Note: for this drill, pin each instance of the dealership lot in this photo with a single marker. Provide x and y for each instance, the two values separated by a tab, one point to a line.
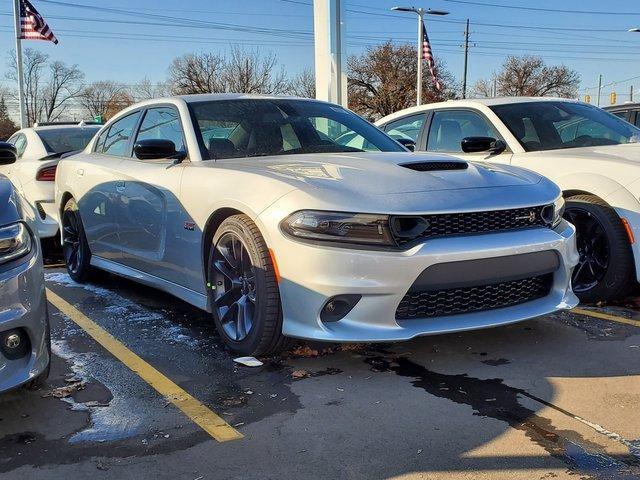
550	398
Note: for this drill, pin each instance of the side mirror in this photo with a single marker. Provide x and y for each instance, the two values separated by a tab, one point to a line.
482	144
156	149
8	154
408	143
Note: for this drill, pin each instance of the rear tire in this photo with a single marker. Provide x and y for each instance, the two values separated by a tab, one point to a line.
604	248
244	289
75	249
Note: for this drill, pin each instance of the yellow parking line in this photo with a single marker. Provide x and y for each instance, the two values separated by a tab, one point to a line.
606	316
191	407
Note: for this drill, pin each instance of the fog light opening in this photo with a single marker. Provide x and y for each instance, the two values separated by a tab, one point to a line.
338	307
15	344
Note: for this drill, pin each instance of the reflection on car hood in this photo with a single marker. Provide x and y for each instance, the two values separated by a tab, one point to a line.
9	208
627	153
381	173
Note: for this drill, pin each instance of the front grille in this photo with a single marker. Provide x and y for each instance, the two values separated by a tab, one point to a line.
450	224
435	166
439	303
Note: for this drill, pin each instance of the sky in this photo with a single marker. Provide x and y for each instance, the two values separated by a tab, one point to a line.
137	39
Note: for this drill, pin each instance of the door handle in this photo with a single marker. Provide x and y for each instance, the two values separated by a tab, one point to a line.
120	186
80	172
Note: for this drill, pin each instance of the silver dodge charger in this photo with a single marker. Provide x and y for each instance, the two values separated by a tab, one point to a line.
292	218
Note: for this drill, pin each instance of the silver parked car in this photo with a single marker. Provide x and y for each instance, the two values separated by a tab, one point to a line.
262	211
25	343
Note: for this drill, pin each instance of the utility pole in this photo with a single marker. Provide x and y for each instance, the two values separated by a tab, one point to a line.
631	94
599	89
466	60
19	67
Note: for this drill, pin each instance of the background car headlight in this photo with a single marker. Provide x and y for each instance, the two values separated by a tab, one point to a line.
15	242
558	211
355	228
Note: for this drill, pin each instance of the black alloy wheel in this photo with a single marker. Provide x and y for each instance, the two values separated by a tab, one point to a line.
75	249
593	248
235	286
606	268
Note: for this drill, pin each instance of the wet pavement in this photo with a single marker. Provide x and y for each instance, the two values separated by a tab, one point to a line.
556	397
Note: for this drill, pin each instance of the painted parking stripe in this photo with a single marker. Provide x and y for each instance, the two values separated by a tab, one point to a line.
191	407
606	316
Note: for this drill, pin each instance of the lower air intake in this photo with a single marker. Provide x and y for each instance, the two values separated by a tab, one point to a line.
439	303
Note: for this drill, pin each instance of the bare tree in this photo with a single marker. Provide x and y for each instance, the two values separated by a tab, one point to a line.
483	88
383	81
7	126
530	76
303	84
146	90
63	86
49	88
105	98
197	73
253	72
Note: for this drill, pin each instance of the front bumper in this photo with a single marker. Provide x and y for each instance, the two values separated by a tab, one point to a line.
23	305
310	275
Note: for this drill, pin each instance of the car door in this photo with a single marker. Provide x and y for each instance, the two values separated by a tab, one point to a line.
97	178
152	218
447	128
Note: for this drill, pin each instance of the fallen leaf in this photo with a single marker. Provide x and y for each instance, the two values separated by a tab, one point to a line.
66	391
300	374
248	361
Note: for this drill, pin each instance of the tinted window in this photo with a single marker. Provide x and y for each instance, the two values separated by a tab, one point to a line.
449	127
162	123
408	127
117	139
253	128
61	140
20	143
637	121
559	125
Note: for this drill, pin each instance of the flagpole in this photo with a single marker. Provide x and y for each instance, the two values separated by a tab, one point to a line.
19	67
420	12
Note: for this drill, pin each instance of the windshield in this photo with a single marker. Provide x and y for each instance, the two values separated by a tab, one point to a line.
62	140
555	125
252	128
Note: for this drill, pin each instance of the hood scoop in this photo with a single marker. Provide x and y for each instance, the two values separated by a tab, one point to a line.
435	166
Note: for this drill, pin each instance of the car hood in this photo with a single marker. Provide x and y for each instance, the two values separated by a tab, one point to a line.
380	173
9	204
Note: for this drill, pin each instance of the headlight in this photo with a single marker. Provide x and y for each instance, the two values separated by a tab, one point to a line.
558	211
15	242
355	228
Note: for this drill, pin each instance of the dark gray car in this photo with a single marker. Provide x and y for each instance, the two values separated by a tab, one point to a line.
25	343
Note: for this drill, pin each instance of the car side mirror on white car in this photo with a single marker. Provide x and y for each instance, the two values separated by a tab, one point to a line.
482	144
156	149
8	153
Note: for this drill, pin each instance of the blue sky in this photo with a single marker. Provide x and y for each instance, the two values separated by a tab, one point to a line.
112	45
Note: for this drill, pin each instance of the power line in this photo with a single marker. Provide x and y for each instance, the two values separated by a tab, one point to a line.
539	9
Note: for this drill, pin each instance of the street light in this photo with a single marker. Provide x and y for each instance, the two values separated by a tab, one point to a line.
420	12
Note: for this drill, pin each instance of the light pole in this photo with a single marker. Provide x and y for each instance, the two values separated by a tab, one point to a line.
420	12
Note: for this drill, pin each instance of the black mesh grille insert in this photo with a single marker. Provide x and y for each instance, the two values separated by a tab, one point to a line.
450	224
438	303
434	166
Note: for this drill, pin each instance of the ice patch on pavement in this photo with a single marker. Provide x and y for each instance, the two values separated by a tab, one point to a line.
124	310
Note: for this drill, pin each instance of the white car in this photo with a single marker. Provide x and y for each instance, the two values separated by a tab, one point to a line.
39	150
248	207
592	155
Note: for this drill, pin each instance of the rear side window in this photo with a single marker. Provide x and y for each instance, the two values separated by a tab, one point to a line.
407	128
116	140
637	121
20	142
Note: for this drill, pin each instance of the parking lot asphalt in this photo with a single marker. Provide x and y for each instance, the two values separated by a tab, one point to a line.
141	386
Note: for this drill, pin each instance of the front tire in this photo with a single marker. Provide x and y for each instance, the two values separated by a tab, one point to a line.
606	270
244	289
75	248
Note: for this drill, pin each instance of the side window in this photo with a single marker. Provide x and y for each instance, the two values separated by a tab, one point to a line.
407	127
20	144
118	136
449	127
162	123
637	120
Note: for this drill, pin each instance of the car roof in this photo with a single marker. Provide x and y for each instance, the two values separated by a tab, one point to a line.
208	97
623	106
60	127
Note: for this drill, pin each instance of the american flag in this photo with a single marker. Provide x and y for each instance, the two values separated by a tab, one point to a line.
427	54
32	25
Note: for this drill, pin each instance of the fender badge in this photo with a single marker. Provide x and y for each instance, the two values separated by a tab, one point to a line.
191	226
